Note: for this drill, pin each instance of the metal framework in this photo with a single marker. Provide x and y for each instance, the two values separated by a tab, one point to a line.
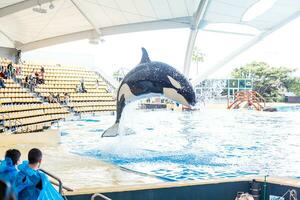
93	24
193	35
183	22
207	12
246	46
11	9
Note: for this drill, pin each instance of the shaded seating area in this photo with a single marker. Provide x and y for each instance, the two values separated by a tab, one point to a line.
40	95
25	118
21	111
14	93
64	85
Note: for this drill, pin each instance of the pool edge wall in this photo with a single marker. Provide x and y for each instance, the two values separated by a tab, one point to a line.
175	190
48	137
218	189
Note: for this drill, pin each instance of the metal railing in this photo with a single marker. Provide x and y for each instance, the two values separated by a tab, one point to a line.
19	125
108	80
12	123
99	195
3	118
59	182
292	195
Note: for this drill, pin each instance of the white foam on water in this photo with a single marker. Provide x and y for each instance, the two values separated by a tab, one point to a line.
201	144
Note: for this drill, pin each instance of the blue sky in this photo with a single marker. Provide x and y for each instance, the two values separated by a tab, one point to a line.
280	49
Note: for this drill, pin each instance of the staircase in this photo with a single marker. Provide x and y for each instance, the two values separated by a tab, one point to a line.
34	94
250	99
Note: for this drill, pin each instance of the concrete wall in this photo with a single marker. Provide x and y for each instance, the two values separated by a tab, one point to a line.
225	189
292	99
44	137
9	53
218	191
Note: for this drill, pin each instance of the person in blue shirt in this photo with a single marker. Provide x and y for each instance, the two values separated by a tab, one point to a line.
32	184
8	167
2	84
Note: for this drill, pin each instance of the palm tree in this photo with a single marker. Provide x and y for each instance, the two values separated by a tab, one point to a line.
197	57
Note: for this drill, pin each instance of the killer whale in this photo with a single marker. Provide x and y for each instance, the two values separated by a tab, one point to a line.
151	78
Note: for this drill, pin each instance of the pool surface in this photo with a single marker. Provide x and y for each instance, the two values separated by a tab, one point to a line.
192	145
295	108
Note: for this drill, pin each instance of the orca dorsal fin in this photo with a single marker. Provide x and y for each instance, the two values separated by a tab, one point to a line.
145	57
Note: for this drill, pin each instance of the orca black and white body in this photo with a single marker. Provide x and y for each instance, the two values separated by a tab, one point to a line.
151	78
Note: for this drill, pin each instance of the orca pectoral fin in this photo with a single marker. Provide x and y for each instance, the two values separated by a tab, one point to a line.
112	131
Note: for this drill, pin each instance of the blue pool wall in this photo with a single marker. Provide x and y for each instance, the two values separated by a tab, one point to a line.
226	190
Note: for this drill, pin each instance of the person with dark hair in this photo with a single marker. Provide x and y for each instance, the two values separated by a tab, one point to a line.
6	192
10	70
82	87
8	167
18	74
31	183
32	81
6	73
2	75
41	76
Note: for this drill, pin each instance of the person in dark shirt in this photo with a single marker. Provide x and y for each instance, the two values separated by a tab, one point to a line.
5	73
2	72
6	192
10	70
2	84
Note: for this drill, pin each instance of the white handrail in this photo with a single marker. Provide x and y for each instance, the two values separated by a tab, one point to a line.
99	195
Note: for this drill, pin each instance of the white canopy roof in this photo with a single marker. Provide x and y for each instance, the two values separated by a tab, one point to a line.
77	19
22	28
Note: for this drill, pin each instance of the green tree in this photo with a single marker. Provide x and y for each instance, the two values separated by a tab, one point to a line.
197	57
270	82
294	86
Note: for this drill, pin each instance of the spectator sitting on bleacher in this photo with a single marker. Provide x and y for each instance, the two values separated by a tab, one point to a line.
31	183
2	84
10	70
8	167
82	87
18	74
2	73
51	98
77	88
32	81
56	97
65	98
5	73
36	74
41	77
97	84
26	81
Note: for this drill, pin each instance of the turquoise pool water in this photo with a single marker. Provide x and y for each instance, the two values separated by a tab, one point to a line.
293	108
193	145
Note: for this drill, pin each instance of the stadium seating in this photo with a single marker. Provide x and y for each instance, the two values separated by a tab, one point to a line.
65	79
23	111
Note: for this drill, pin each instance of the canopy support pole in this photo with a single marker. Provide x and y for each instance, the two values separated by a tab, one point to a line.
98	32
198	16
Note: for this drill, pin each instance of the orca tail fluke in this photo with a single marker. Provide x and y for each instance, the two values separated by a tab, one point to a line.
113	131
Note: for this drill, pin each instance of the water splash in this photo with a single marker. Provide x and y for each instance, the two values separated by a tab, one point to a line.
196	145
126	120
211	91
